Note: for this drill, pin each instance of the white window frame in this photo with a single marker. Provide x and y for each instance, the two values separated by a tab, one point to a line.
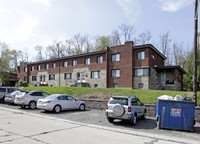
54	65
115	57
141	55
100	59
95	74
65	64
66	76
115	73
87	61
74	63
46	66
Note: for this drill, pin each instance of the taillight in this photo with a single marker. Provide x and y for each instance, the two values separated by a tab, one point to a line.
48	101
107	107
129	109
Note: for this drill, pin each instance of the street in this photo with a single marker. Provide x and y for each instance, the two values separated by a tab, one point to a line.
91	126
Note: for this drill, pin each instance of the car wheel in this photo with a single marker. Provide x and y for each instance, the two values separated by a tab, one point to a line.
3	100
57	109
134	120
32	105
144	115
111	120
82	107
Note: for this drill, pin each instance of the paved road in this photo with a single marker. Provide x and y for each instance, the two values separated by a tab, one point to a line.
97	118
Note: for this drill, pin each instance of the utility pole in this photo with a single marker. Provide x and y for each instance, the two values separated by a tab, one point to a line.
195	52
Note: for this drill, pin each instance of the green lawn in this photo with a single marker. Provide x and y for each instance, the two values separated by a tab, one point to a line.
146	96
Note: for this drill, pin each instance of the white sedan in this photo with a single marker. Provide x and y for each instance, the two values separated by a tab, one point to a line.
59	102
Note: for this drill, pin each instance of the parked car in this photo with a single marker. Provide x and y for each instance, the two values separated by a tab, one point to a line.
125	108
59	102
29	98
4	91
10	97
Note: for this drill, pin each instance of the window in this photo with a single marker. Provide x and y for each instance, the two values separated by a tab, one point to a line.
141	55
142	72
95	74
114	85
71	98
115	73
36	94
2	89
34	78
67	75
52	77
140	85
74	63
87	61
46	66
25	79
25	69
54	66
152	56
45	94
32	68
62	98
18	69
134	102
65	64
38	67
10	90
115	57
100	59
95	85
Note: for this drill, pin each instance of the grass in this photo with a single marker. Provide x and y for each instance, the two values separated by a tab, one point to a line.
146	96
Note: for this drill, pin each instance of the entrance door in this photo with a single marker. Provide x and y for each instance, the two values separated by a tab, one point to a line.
80	77
163	78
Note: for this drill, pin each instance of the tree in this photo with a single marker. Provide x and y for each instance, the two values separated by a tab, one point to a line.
127	31
102	42
145	37
165	45
39	50
6	57
188	77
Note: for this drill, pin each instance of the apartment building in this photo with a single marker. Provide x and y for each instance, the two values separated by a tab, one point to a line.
123	66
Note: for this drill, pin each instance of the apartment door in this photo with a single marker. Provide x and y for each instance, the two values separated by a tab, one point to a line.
80	77
163	78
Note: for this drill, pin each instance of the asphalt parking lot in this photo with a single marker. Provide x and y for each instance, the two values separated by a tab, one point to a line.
97	117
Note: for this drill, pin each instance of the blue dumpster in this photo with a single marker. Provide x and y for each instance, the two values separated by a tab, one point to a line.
171	114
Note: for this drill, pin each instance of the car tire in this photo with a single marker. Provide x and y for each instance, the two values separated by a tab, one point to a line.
3	99
134	120
82	107
118	110
32	105
57	109
111	120
144	115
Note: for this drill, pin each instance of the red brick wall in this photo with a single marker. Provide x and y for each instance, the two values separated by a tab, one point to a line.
22	74
125	65
148	61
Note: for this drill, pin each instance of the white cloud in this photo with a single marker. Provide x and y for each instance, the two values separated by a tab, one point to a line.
24	30
130	8
174	5
45	2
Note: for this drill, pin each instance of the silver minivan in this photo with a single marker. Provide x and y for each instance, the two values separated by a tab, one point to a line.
125	108
4	91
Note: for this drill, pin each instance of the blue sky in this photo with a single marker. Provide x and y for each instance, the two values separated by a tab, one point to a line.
27	23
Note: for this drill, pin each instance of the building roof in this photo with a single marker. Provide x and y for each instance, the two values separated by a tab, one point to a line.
69	57
152	47
171	67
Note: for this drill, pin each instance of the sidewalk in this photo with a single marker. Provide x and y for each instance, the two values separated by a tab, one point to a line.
26	128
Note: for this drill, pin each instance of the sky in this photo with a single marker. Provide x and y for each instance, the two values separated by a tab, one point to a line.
27	23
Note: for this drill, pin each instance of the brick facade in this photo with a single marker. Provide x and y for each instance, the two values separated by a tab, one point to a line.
116	69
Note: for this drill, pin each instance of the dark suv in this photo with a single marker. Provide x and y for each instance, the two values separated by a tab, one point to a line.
4	91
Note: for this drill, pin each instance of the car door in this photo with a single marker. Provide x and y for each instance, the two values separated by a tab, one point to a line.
63	102
72	104
140	108
134	105
45	94
36	95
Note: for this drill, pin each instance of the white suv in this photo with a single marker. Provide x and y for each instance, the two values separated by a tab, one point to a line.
125	108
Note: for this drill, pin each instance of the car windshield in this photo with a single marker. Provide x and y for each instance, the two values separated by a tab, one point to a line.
122	101
14	93
51	97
